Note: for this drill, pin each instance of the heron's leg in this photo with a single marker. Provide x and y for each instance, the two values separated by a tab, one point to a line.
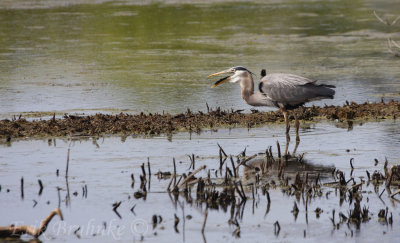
297	127
285	115
287	144
297	144
297	133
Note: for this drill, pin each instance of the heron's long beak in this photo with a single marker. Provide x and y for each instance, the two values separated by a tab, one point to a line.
223	72
222	80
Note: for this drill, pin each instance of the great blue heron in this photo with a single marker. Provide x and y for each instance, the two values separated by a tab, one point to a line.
284	91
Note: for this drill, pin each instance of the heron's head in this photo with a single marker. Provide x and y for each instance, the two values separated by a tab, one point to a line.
236	73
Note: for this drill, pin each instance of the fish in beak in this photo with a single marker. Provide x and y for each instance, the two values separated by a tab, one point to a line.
222	80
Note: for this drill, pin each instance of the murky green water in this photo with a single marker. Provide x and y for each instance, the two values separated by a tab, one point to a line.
76	56
152	57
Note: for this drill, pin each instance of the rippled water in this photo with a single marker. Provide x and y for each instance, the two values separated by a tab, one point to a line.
105	165
124	56
79	56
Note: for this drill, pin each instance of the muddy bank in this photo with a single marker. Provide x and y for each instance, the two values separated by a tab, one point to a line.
153	124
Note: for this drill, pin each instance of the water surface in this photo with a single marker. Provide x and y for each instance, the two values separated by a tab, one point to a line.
104	165
85	57
154	57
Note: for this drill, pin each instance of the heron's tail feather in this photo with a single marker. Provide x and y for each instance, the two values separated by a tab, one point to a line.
319	91
326	91
328	85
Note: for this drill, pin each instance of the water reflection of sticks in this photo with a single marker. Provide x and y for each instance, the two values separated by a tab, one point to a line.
230	189
207	189
292	174
68	197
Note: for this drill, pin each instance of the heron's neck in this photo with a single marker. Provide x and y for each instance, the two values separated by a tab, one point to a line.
247	86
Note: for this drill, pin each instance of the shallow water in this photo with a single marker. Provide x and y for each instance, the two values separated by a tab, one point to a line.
154	57
79	57
105	165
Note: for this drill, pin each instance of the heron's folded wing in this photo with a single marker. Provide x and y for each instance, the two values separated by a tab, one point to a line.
288	89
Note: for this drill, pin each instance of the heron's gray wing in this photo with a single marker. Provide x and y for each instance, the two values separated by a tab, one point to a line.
286	79
291	90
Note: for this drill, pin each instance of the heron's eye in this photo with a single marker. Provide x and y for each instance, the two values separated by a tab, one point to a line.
233	70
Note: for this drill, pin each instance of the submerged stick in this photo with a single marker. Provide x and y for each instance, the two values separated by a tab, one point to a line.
279	149
40	187
115	207
143	171
59	196
176	188
241	188
170	182
193	162
205	221
277	228
233	167
176	222
244	162
191	176
17	231
148	166
395	193
133	180
380	195
220	160
240	193
268	197
22	187
173	160
66	169
222	150
389	177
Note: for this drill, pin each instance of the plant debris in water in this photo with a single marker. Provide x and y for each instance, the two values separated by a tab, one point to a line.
153	124
295	178
233	181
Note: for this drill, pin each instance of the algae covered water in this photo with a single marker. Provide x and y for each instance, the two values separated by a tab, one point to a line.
60	57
